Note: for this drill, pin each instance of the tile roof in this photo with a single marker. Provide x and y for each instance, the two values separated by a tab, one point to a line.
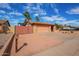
40	23
3	21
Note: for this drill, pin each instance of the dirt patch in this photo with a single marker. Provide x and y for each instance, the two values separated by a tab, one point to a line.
35	43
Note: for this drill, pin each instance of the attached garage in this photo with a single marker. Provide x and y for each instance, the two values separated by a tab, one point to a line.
41	27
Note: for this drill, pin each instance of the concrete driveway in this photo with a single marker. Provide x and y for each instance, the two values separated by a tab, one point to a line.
29	44
70	47
46	44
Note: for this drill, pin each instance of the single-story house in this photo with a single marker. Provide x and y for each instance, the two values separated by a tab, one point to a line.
42	27
34	27
4	25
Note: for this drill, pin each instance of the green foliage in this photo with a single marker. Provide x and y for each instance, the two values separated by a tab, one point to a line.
28	18
58	26
27	15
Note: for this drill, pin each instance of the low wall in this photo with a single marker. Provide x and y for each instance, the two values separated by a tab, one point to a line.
23	29
7	47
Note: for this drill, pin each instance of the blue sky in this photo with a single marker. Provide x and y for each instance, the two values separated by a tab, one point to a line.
61	13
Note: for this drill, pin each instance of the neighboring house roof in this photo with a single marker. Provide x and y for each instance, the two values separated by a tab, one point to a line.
40	23
4	21
68	28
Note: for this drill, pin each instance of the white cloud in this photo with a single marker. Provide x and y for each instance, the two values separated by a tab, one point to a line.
27	7
73	11
14	21
61	20
7	17
35	9
15	13
70	22
42	12
54	18
55	8
58	18
2	11
47	18
36	14
5	5
39	10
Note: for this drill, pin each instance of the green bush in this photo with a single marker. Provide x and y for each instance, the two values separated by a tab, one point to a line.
58	26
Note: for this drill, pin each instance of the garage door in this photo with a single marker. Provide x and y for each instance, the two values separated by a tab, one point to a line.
43	29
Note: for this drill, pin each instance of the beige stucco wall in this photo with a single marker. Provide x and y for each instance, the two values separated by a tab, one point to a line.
12	29
1	30
0	27
41	28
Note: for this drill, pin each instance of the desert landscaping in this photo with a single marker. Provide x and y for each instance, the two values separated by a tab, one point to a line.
48	44
56	43
39	30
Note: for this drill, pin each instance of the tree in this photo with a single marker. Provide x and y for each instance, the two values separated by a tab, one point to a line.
27	15
37	18
58	26
28	18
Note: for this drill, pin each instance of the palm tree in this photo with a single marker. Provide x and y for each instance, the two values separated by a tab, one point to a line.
28	18
37	19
